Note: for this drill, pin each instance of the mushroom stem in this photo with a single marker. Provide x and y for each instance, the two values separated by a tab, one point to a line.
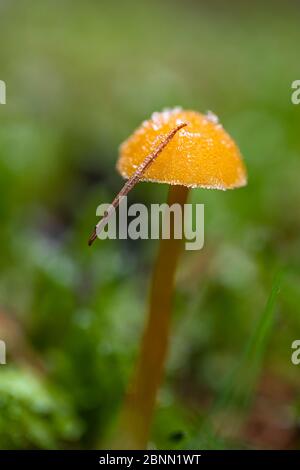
136	416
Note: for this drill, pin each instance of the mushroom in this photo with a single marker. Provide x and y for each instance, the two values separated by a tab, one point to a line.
196	152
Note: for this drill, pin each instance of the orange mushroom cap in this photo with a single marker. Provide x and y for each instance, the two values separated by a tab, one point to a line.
201	154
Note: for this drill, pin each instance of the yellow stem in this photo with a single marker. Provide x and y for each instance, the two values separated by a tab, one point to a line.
137	413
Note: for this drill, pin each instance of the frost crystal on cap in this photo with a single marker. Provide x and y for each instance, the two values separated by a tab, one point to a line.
212	117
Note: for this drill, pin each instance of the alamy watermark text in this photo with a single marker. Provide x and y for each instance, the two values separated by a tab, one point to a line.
296	93
2	92
2	352
159	221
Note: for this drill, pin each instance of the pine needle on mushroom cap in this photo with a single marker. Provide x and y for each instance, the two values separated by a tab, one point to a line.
201	155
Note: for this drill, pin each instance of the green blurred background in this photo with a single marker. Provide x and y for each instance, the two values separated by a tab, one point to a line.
80	77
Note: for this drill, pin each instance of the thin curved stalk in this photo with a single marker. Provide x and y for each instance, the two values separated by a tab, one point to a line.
133	180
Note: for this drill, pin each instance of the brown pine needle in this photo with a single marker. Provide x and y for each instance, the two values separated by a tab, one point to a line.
132	181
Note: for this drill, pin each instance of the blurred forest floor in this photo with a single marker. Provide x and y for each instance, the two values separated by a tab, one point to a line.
80	77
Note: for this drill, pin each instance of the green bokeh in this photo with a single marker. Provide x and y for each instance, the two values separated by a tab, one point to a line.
80	77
